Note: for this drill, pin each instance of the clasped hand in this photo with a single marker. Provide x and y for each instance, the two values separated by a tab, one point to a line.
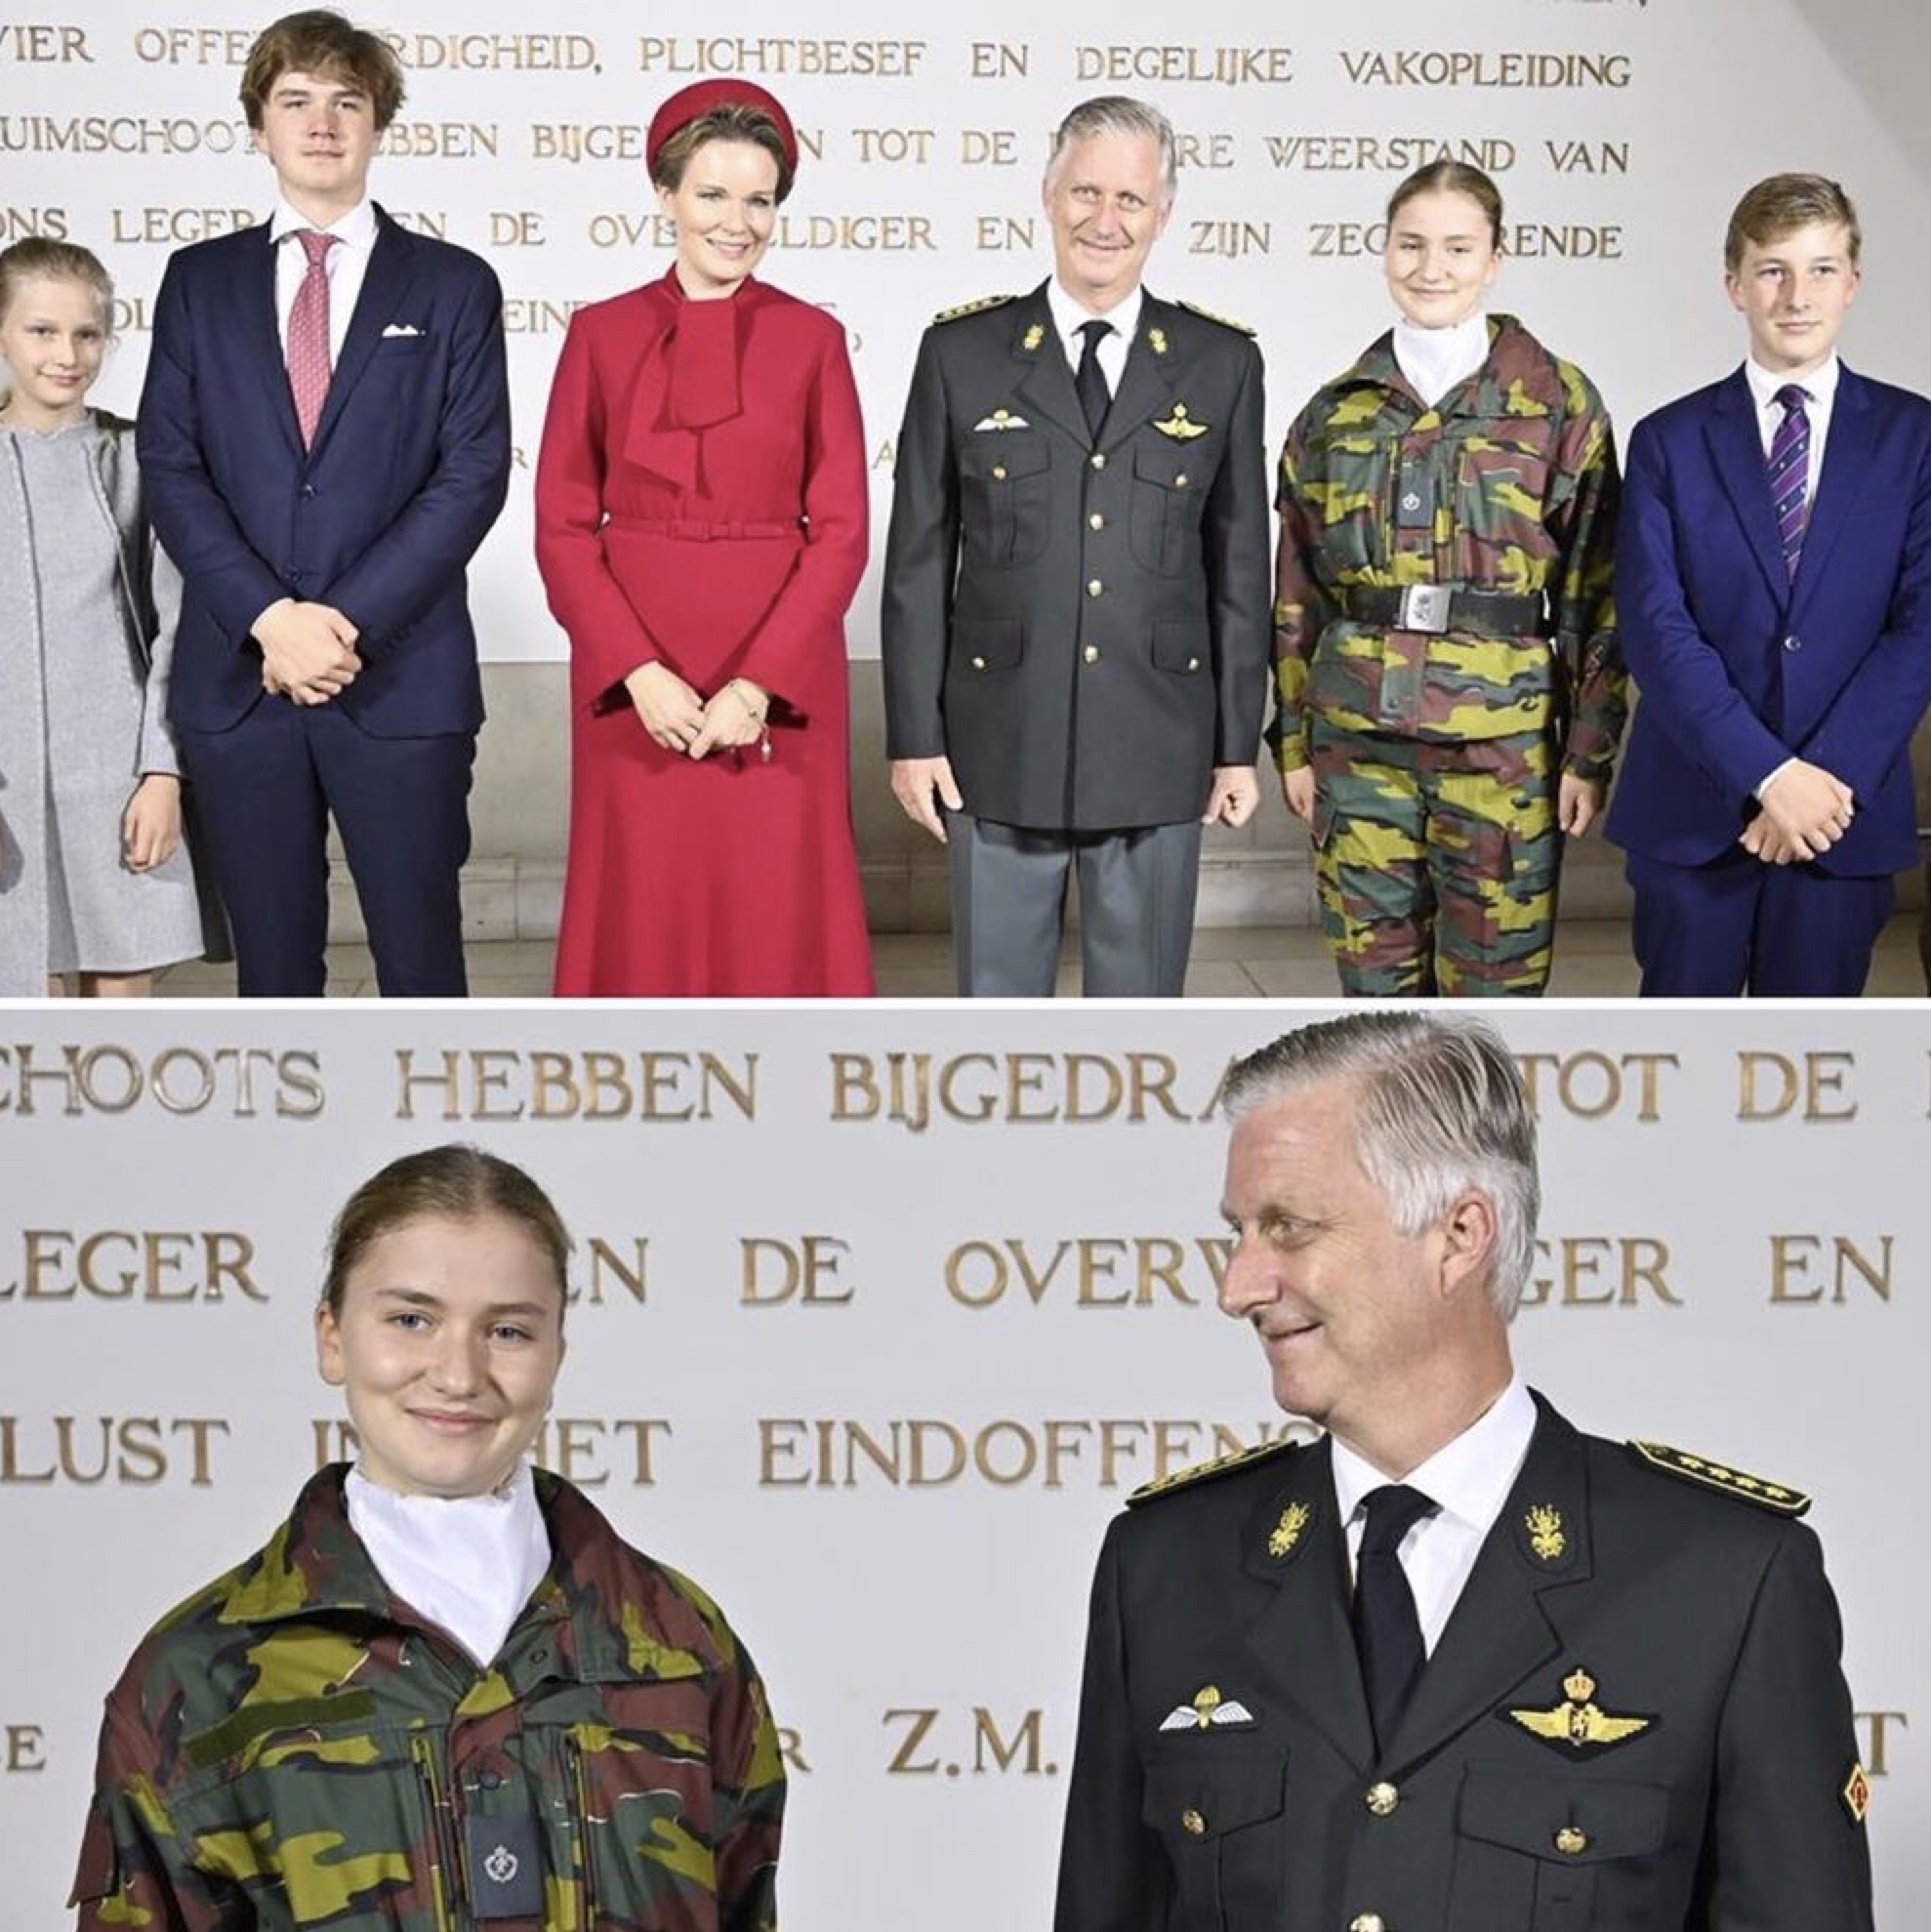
308	651
682	722
1806	810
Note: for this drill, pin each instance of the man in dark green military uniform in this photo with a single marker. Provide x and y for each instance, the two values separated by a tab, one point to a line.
1457	1667
1076	620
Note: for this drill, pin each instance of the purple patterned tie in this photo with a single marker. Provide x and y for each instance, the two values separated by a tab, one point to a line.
308	333
1789	473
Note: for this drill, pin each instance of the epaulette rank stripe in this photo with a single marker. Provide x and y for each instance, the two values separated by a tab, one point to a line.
1711	1474
1207	316
1206	1472
977	308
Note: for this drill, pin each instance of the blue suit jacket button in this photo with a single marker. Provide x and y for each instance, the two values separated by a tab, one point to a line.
1793	643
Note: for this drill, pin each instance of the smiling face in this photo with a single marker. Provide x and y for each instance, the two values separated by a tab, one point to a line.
447	1347
1107	204
52	335
1794	291
1378	1336
319	132
726	206
1440	257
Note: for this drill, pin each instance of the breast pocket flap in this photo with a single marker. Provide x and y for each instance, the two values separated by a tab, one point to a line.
1575	1820
1215	1793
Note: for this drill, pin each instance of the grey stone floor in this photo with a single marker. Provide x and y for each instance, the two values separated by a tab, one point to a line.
1592	962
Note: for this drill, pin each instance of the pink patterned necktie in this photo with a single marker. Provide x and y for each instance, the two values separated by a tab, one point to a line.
1789	473
308	333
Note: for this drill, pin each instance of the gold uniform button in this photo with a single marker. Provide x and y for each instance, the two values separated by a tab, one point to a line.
1193	1824
1193	664
1181	481
978	664
1098	459
1091	653
1095	521
1369	1921
999	473
1094	588
1571	1843
1381	1799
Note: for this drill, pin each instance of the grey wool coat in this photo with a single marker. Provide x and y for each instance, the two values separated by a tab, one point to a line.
83	704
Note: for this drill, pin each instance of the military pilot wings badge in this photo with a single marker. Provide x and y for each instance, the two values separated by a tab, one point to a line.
1578	1726
1000	418
1210	1712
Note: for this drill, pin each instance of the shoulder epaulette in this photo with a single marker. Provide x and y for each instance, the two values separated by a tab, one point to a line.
1206	1472
1710	1474
1207	316
977	308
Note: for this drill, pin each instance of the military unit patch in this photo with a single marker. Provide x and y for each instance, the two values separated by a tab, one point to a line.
1204	1472
977	308
1578	1725
1856	1795
1716	1475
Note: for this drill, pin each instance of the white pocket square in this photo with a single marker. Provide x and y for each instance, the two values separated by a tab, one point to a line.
401	329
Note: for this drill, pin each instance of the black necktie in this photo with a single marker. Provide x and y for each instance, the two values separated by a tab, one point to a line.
1089	379
1387	1633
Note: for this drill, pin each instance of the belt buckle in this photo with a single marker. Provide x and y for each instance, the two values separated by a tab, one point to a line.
1426	607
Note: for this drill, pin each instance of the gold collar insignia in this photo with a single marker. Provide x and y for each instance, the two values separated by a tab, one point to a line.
1546	1536
1157	341
1032	337
1287	1532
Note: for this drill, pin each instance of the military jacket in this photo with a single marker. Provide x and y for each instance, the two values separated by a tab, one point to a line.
293	1748
1509	483
1634	1720
1079	624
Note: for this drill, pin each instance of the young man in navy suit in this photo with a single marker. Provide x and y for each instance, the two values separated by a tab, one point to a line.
324	440
1772	589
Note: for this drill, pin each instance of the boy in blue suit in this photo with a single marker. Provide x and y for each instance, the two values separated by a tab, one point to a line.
1772	588
324	440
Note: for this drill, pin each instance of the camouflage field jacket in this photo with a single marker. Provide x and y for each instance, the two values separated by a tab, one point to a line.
1509	485
291	1748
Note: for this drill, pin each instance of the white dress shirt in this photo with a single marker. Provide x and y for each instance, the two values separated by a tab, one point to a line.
467	1563
346	264
1068	317
1469	1479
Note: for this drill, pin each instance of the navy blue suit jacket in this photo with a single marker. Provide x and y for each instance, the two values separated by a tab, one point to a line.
380	519
1739	667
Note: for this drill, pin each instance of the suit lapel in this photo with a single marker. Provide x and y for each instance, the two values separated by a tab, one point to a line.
1047	383
261	335
1147	383
392	269
1735	445
1499	1631
1849	451
1301	1637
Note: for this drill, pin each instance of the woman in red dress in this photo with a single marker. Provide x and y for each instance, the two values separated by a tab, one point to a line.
701	512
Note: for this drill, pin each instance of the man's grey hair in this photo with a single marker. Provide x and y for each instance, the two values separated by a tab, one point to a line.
1115	113
1440	1108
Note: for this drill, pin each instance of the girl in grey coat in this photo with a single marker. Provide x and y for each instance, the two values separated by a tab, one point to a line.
95	881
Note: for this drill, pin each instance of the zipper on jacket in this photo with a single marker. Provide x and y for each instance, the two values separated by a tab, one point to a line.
586	1863
442	1867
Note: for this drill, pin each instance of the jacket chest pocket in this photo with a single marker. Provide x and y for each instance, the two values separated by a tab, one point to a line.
1532	1851
1006	497
1502	489
1169	498
1220	1818
638	1786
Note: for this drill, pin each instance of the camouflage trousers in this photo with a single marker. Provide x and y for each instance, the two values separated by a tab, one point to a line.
1436	862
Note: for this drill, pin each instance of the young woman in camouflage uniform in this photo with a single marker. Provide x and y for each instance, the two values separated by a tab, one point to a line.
1451	695
445	1695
